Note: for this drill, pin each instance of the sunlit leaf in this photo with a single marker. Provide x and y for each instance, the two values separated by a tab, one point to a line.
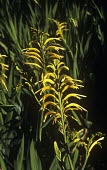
74	21
57	151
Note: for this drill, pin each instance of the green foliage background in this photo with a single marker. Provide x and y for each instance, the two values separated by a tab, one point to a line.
47	47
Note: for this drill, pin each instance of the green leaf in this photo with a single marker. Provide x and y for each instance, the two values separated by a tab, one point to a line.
19	161
86	48
76	117
1	120
36	1
76	153
5	106
68	162
55	8
45	123
26	91
57	151
4	46
55	165
34	158
2	163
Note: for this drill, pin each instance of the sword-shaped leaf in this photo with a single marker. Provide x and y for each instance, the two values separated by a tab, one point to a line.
2	163
20	157
55	165
57	151
34	158
75	157
75	116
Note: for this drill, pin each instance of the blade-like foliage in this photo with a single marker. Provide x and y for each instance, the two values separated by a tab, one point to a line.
34	158
46	51
20	157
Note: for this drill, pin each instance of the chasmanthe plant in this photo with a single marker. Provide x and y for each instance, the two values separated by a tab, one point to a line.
59	100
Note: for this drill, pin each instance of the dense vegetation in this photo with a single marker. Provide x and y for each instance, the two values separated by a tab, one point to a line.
48	52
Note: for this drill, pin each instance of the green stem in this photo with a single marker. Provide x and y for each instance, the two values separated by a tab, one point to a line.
62	118
70	162
85	161
64	128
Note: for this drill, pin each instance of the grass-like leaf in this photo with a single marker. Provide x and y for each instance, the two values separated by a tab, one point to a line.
34	158
20	157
